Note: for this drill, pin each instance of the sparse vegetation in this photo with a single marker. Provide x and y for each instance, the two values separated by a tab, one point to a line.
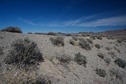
100	55
72	42
64	59
1	51
112	54
51	33
117	49
75	38
107	60
121	63
97	46
80	59
99	37
57	41
90	41
108	48
100	72
84	44
119	41
12	29
24	53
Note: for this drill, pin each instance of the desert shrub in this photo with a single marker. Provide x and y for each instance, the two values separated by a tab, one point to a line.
29	32
57	41
90	41
24	53
121	63
84	44
68	34
99	37
97	46
72	42
112	54
107	60
117	73
93	37
75	38
1	51
119	41
100	72
80	59
51	33
107	48
64	59
100	55
12	29
117	49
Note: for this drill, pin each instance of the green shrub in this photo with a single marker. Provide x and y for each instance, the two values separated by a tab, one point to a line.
97	46
100	55
24	53
100	72
84	44
80	59
90	41
12	29
121	63
64	59
99	37
72	42
57	41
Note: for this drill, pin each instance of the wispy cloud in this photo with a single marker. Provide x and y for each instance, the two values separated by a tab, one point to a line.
27	21
90	21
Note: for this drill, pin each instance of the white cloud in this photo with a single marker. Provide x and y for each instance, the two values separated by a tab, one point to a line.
27	21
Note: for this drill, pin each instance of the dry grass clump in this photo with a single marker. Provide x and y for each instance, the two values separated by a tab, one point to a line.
100	55
57	41
100	72
64	59
97	46
12	29
1	51
24	53
121	63
80	59
84	44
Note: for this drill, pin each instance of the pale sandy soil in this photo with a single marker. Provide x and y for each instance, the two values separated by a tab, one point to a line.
71	73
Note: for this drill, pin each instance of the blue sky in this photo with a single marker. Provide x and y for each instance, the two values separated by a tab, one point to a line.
63	15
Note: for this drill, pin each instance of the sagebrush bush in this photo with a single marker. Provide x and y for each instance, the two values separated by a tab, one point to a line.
64	59
119	41
112	54
51	33
72	42
12	29
108	48
57	41
80	59
1	51
100	55
117	49
97	46
24	52
99	37
93	37
84	44
75	38
121	63
107	60
100	72
90	41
